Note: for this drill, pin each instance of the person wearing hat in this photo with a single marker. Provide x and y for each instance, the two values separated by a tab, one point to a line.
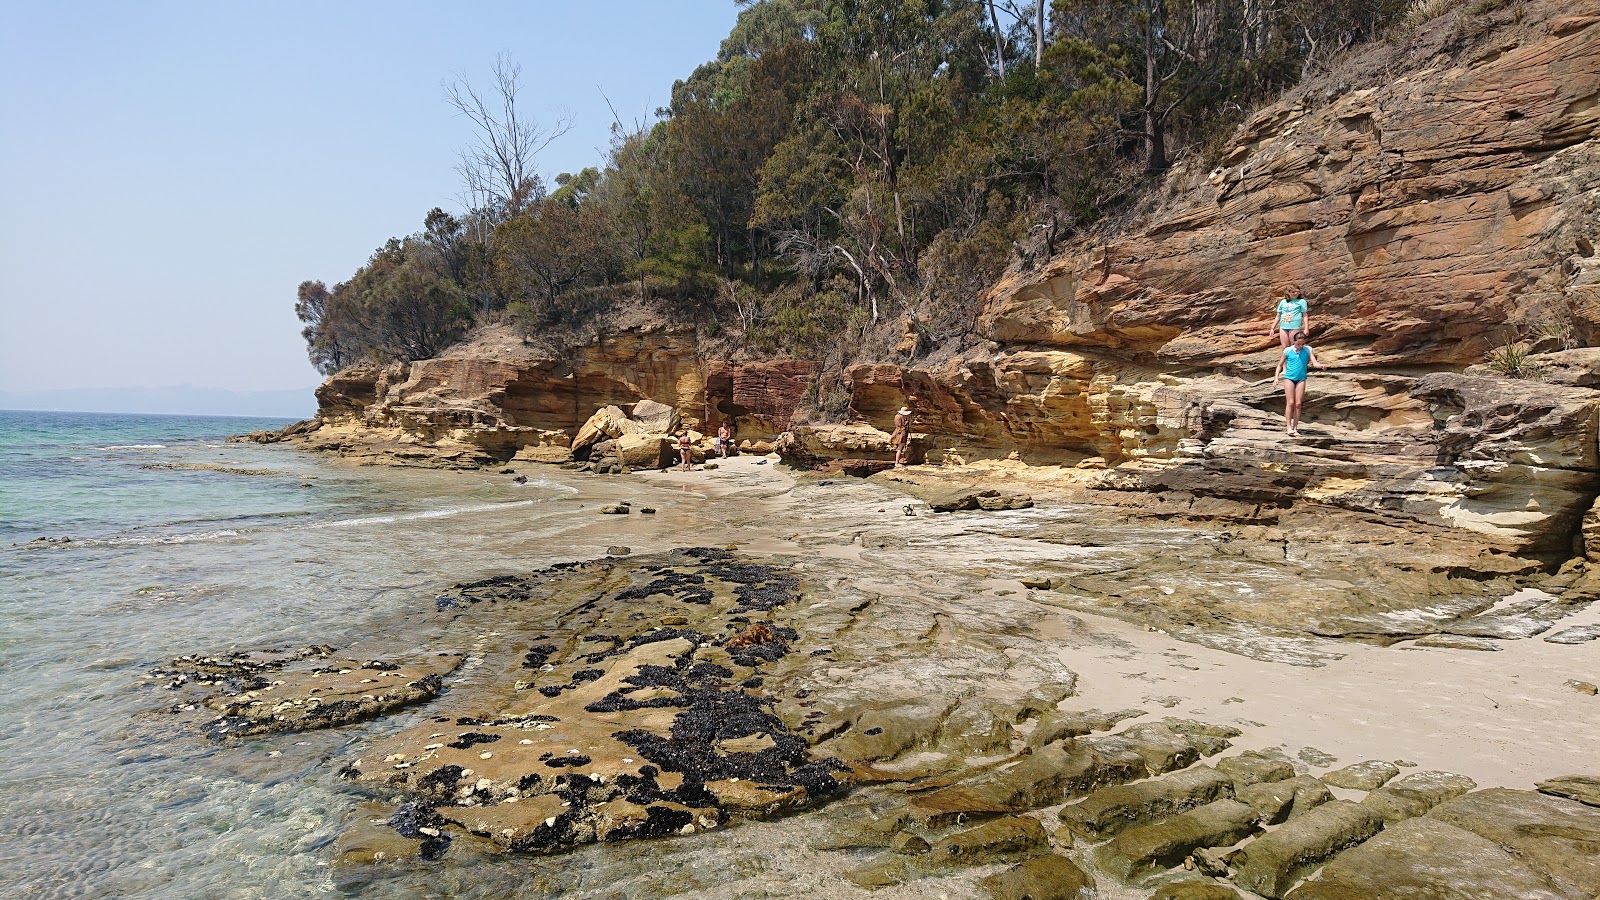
901	437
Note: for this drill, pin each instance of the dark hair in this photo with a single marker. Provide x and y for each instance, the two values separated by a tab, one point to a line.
1300	336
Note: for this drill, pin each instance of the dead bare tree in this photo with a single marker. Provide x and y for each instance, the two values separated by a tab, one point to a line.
498	170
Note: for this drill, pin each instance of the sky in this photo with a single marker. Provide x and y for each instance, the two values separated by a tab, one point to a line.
171	171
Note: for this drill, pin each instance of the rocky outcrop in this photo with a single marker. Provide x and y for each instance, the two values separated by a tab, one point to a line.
1433	218
494	399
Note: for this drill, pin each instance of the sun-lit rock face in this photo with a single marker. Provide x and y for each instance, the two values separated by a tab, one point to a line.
494	398
1427	220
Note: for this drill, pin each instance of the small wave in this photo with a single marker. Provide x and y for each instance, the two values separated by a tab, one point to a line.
429	514
134	447
552	485
146	540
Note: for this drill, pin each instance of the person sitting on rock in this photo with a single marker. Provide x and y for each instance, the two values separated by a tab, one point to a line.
685	450
724	439
1292	316
1293	368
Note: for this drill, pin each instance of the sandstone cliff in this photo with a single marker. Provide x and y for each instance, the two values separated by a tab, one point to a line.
1435	198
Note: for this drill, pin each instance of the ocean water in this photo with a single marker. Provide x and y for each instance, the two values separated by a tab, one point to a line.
182	543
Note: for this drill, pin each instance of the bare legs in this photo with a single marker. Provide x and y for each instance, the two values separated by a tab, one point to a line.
1294	396
1286	337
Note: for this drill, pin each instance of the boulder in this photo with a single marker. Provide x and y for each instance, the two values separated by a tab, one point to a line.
1162	748
997	839
1055	724
1111	810
1254	767
1426	857
1362	776
1557	836
1194	890
655	417
1272	863
1041	878
1163	845
1276	801
1582	788
1415	794
639	450
1044	777
968	498
606	423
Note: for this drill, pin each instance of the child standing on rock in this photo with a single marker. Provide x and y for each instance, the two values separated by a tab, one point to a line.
1293	368
1292	316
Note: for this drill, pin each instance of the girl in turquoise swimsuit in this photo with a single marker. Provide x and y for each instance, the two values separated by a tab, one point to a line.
1293	367
1292	316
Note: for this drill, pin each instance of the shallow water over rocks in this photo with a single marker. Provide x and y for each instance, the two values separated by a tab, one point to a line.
918	658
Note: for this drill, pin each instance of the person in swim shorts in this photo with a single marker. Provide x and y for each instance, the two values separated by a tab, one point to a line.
1293	368
1292	316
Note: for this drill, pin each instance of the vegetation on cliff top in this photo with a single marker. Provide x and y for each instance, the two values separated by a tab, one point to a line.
844	179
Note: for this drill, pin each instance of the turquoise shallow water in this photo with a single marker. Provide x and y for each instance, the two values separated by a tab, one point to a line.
99	797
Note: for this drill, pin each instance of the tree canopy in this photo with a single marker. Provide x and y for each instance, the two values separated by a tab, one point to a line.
841	172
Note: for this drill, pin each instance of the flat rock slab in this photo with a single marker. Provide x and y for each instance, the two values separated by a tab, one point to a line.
1427	858
1041	878
1195	890
1368	775
1164	746
1582	788
1457	642
1272	863
1577	634
967	499
998	839
1112	810
1558	836
314	688
1055	725
1163	845
1254	767
1415	794
1045	777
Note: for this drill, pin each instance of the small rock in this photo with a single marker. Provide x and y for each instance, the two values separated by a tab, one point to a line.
709	466
907	844
615	509
1583	687
1315	757
508	471
1036	583
618	551
1363	776
1042	878
1583	788
674	620
1211	861
647	510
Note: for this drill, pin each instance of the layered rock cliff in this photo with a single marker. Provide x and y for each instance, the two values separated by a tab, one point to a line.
1436	199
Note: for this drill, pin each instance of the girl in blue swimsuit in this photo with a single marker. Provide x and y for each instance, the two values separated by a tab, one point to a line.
1293	367
1292	316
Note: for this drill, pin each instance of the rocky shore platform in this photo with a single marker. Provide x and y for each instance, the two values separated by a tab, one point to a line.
784	683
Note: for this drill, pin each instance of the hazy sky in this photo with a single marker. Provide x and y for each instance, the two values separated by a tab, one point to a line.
169	172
